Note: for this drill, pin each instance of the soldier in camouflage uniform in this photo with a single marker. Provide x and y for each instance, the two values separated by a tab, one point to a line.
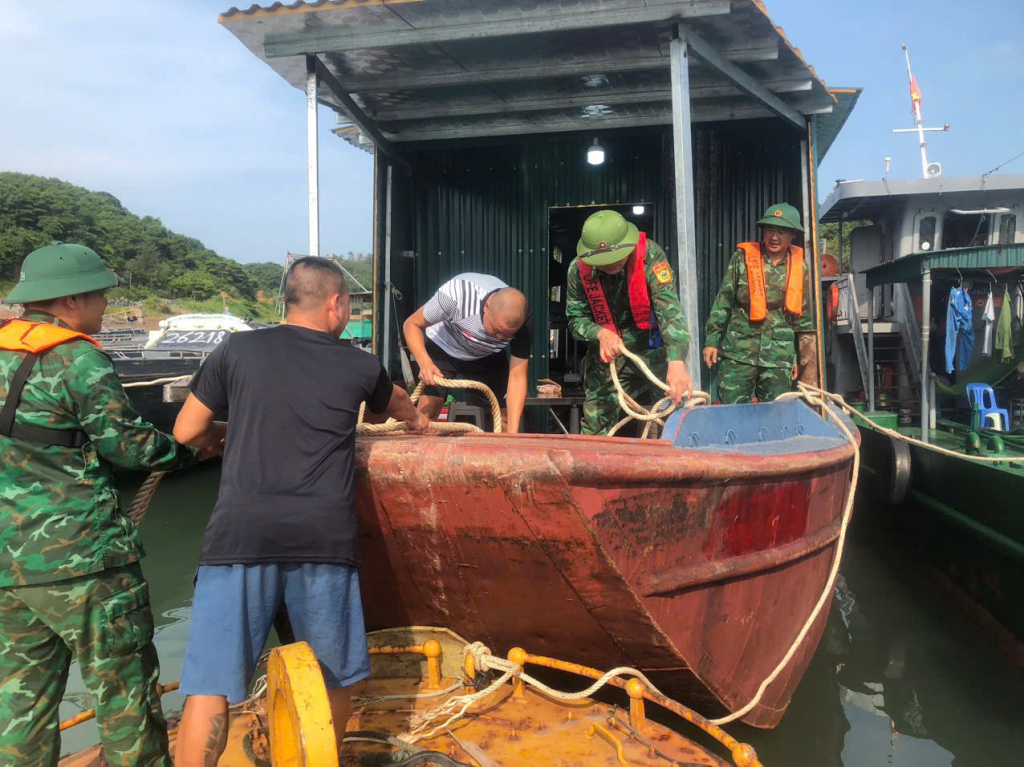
758	358
625	283
71	586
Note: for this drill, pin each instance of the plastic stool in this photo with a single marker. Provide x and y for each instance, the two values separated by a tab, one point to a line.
463	413
985	398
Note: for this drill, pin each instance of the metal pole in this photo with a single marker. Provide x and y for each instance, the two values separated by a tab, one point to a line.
871	348
926	334
819	340
388	300
920	120
931	403
686	243
313	156
805	186
840	256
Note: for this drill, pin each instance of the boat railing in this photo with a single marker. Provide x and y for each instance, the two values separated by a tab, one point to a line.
910	328
848	292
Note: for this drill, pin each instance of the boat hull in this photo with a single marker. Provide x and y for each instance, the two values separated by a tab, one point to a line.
963	517
698	568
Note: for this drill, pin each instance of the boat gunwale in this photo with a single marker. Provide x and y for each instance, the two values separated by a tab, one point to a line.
605	466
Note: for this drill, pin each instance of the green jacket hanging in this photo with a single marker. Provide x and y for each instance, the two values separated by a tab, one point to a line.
1004	329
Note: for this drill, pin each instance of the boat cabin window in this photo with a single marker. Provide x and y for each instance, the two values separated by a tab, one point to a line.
1007	228
925	233
965	231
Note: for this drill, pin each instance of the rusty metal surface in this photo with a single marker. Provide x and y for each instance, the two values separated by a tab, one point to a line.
547	543
508	728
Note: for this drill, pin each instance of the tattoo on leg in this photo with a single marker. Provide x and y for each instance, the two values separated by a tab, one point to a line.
217	740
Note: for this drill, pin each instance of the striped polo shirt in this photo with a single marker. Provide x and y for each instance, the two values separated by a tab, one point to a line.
456	318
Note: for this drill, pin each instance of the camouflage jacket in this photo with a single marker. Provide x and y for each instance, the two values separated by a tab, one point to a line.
59	513
664	304
770	343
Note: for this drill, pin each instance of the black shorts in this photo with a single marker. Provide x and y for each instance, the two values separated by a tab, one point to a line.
491	370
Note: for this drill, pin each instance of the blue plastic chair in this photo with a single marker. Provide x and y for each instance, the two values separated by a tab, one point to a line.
986	399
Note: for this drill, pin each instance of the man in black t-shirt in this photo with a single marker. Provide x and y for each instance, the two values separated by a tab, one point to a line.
284	528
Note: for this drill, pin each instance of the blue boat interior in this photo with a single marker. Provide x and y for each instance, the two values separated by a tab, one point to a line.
772	428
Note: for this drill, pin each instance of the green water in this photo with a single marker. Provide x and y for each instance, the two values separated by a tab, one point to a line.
901	676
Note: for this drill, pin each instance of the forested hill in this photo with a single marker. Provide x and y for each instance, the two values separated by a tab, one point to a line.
34	211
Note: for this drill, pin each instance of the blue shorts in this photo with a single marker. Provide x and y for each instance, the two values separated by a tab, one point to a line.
233	611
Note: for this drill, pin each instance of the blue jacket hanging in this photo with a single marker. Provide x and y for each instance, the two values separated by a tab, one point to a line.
959	328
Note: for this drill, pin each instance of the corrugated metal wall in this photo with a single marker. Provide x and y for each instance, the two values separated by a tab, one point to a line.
484	208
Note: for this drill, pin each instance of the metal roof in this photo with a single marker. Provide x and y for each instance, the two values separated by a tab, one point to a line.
429	69
827	126
912	267
868	199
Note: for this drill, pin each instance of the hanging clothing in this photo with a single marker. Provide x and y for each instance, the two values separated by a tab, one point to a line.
959	330
1018	304
988	316
1004	330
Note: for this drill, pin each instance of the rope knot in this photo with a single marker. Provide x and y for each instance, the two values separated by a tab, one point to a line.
480	653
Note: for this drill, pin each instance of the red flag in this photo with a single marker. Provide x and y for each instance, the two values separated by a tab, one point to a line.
915	94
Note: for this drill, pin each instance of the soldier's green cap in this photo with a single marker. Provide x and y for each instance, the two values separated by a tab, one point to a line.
782	215
607	238
60	269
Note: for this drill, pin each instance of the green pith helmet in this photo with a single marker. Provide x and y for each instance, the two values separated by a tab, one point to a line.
782	215
60	269
607	238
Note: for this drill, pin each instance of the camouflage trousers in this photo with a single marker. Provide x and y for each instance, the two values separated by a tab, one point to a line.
739	382
104	620
601	409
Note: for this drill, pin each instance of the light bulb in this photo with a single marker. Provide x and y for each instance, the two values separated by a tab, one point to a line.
595	154
638	210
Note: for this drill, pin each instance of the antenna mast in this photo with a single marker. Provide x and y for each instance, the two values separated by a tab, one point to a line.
933	170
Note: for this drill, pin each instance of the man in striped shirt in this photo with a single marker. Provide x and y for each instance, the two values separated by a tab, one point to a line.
463	331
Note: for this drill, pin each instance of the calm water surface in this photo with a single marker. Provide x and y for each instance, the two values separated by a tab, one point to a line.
900	678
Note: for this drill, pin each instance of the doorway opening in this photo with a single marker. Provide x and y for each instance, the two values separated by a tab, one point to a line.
566	354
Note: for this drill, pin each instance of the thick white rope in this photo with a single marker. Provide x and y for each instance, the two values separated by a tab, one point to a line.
812	395
841	403
483	660
156	381
466	384
661	409
409	696
819	397
391	426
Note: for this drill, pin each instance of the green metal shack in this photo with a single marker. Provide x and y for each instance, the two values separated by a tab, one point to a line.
482	115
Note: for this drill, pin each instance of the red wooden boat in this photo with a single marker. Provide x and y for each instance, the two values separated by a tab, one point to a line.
696	558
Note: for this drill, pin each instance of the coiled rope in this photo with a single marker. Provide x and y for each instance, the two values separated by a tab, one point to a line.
391	426
483	660
661	409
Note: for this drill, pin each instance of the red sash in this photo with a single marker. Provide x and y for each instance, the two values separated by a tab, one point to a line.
639	300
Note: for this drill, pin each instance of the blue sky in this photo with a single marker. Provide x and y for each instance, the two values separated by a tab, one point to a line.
157	104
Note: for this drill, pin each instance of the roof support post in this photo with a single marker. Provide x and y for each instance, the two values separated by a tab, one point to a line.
745	82
686	244
313	156
388	287
871	349
926	333
358	117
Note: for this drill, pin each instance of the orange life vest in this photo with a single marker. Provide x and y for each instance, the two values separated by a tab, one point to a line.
639	299
832	307
35	339
794	302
